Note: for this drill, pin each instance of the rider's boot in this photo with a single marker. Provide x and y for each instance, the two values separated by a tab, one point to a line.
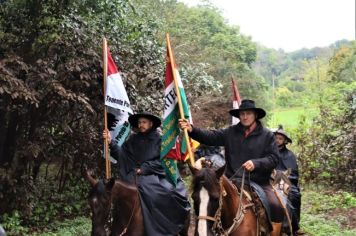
276	229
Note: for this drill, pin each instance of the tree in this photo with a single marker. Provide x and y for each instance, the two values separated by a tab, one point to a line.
343	64
51	100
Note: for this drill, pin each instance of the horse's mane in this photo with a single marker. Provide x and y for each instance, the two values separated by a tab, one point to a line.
101	186
125	184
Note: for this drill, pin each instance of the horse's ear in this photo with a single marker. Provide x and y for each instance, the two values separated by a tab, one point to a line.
288	171
87	175
193	169
273	174
219	172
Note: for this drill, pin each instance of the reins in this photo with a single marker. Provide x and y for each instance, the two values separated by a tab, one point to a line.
217	227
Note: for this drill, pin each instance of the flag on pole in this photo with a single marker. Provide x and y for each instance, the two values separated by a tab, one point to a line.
118	104
171	148
236	100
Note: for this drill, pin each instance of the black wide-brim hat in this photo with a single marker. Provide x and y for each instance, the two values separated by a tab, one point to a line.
133	119
281	131
248	105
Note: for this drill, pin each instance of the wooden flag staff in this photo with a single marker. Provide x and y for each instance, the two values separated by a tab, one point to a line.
106	144
181	113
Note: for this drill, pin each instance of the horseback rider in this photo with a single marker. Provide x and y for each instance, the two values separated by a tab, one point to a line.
247	145
164	207
289	161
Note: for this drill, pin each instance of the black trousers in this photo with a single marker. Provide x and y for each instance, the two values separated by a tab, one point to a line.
277	212
295	197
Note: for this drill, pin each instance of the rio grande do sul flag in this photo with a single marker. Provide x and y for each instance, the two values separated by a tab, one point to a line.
118	103
170	147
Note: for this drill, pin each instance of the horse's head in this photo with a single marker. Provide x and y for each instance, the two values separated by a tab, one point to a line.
100	203
206	195
280	181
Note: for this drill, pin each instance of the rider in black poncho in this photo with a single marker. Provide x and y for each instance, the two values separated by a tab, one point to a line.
289	161
165	207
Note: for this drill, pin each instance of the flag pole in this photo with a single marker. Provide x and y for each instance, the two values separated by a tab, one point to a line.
171	58
235	91
106	144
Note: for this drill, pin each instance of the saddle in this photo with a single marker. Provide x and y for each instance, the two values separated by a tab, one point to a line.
257	196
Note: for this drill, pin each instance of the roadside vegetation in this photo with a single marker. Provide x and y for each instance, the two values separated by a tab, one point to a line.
328	212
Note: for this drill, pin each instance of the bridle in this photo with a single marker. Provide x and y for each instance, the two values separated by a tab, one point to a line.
217	227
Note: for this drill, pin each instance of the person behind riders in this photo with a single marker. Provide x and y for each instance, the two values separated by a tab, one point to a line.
289	161
249	145
211	153
164	207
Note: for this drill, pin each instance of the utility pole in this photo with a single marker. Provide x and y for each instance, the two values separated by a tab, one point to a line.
318	78
274	99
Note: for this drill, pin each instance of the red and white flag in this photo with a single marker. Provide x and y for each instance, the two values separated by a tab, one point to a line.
116	96
118	104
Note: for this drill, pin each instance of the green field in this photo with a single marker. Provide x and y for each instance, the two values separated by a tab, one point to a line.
290	117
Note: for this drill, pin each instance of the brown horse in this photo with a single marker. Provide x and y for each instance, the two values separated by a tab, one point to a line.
126	213
281	182
281	185
218	205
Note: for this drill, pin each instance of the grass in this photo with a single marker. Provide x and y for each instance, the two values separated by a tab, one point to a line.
318	212
316	225
289	117
324	212
80	226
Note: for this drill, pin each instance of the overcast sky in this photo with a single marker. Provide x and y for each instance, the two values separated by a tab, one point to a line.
291	24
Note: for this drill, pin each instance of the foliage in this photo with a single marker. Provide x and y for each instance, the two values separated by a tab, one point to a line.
203	37
284	97
327	147
79	226
343	64
51	87
13	224
305	73
51	102
196	77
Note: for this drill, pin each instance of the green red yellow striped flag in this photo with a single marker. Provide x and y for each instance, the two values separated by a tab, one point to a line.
171	151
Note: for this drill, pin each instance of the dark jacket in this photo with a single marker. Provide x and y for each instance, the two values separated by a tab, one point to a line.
164	206
141	151
288	160
259	146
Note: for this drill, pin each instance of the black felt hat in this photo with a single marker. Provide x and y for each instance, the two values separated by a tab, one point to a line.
133	119
248	105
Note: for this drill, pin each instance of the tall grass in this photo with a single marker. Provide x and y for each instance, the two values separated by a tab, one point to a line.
289	117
